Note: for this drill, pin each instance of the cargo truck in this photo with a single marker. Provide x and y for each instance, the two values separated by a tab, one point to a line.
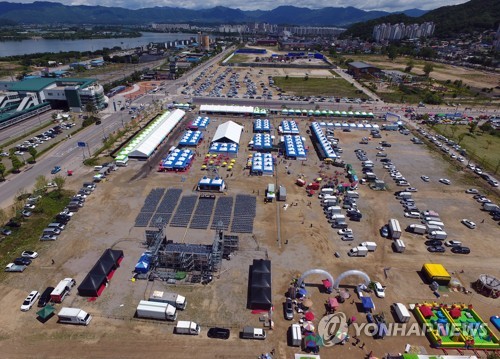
401	312
404	195
74	316
399	246
253	333
187	327
178	301
62	290
371	246
333	210
156	310
358	251
417	228
490	207
430	228
441	235
394	228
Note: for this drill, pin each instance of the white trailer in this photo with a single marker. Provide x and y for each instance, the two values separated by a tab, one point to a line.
74	316
156	310
417	228
174	299
442	235
394	228
187	327
399	246
371	246
401	312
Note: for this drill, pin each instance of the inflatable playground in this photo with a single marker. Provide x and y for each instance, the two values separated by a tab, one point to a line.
456	326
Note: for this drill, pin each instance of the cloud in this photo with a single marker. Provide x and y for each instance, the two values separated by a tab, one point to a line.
385	5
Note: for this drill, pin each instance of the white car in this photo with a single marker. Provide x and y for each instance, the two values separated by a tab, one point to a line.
29	254
411	189
468	223
471	166
412	215
483	200
29	206
379	290
425	178
452	243
471	191
344	231
445	181
29	301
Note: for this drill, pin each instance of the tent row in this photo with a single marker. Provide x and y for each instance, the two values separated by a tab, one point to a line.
262	164
260	290
146	141
102	272
216	184
294	146
260	125
289	128
303	112
229	149
325	145
352	126
262	141
191	138
224	109
177	160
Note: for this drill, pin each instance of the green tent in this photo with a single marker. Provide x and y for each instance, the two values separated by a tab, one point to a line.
284	111
46	311
298	112
310	113
324	113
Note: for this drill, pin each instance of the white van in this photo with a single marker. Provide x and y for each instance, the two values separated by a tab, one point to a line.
296	335
97	168
52	231
402	313
352	194
59	226
435	223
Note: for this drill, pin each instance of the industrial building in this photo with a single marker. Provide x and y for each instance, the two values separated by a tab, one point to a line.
360	69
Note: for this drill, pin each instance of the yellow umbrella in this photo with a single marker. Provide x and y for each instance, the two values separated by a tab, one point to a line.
211	162
203	167
207	155
214	155
250	156
233	160
229	168
319	179
224	163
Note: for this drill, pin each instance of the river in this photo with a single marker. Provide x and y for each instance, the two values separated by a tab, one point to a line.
11	48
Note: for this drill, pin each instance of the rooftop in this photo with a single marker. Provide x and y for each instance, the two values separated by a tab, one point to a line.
360	65
38	84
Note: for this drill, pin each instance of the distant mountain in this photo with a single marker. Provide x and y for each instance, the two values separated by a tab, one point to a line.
41	12
475	15
414	12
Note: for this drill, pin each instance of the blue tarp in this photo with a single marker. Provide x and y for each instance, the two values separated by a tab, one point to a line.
143	264
367	303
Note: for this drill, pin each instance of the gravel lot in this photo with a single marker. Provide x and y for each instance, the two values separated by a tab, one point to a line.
107	220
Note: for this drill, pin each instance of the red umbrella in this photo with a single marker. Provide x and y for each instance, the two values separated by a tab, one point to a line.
309	316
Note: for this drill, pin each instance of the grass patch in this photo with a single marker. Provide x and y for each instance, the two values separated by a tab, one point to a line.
237	58
28	235
318	86
482	148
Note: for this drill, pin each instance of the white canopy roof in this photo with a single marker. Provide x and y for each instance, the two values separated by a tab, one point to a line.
228	132
227	109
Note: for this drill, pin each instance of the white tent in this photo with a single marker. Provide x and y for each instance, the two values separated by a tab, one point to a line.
155	134
226	109
228	132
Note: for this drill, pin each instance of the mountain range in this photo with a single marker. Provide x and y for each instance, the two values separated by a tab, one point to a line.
42	12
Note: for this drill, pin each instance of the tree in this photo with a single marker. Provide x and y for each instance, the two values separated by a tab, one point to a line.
409	65
428	68
461	137
472	127
485	127
306	77
2	171
286	77
59	181
33	152
392	52
40	184
16	163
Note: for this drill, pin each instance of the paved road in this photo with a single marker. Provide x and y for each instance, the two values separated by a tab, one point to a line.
23	128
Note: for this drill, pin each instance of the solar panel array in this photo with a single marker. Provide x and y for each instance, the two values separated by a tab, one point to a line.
150	204
223	210
169	201
203	213
244	214
184	211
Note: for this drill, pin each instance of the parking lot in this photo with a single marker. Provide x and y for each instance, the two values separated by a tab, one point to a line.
306	241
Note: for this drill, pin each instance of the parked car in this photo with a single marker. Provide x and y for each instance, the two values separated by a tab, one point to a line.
379	290
411	189
433	242
22	261
412	214
29	206
288	309
218	333
468	223
437	249
445	181
347	237
29	254
452	243
5	231
55	170
425	178
460	250
472	191
48	237
384	231
26	213
45	297
30	300
344	231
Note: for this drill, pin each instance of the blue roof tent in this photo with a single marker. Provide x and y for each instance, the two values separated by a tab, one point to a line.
262	164
191	138
212	185
227	148
294	147
201	123
262	142
143	264
324	144
261	125
177	159
289	128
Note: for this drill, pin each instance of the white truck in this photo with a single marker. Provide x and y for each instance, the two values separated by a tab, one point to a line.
401	312
333	210
399	246
336	218
187	327
358	251
371	246
442	235
74	316
430	228
11	267
156	310
404	195
394	228
417	228
178	301
253	333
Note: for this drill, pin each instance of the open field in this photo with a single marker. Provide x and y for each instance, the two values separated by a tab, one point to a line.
307	241
317	87
238	58
482	147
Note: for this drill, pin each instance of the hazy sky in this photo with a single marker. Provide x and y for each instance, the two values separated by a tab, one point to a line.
386	5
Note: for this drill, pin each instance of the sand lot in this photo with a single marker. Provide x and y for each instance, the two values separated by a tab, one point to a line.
307	241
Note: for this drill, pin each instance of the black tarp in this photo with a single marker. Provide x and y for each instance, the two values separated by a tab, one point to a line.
97	276
259	285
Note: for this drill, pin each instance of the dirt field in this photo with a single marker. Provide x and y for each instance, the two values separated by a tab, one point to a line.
307	241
